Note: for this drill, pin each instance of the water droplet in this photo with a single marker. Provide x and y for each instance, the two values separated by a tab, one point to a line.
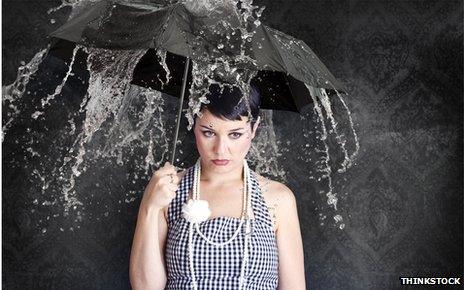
52	21
36	114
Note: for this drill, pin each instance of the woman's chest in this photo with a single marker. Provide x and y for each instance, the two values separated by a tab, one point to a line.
226	202
263	254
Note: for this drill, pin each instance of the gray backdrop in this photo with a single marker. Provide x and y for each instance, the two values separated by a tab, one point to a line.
402	61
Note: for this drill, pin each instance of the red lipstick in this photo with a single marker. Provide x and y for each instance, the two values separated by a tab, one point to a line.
220	162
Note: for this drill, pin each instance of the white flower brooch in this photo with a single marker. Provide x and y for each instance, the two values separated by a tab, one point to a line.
196	211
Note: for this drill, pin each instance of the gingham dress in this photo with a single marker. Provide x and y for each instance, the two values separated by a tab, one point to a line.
219	267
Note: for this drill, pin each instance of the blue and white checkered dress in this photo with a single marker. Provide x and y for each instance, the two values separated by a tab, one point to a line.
219	267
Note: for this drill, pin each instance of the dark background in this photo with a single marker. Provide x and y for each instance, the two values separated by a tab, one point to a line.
402	61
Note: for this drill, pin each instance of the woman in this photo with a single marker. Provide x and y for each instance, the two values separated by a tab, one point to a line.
248	238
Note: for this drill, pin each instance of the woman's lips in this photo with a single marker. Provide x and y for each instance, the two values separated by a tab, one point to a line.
220	162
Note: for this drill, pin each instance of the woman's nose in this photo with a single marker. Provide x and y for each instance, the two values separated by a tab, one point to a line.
221	146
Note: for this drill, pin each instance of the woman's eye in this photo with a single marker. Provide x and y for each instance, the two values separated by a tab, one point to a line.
208	133
236	135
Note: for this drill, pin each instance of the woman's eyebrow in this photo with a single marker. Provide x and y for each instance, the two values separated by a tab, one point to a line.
209	128
232	130
235	129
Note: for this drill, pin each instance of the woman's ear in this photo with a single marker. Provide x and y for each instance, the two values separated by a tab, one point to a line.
255	127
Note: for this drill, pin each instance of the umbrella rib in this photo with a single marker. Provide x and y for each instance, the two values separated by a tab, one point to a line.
266	32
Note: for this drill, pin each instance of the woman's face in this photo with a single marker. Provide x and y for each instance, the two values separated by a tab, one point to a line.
223	140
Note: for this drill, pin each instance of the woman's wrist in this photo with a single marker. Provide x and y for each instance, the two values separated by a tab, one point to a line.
150	208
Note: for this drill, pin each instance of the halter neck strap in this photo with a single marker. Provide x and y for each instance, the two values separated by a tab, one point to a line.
258	203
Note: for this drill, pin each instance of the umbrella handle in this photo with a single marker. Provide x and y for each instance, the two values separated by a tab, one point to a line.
179	111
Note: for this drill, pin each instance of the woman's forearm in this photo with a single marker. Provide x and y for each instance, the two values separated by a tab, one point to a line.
147	268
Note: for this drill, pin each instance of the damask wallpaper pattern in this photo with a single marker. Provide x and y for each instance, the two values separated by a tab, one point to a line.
401	60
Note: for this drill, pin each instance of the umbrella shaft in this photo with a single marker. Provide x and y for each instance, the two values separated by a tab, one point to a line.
179	111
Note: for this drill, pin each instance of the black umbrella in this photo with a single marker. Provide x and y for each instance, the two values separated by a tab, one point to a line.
286	69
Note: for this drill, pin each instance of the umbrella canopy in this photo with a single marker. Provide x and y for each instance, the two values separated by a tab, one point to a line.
286	66
219	36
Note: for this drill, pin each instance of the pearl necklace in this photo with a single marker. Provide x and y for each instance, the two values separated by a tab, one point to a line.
197	210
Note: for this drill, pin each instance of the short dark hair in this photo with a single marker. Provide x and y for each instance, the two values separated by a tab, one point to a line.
226	102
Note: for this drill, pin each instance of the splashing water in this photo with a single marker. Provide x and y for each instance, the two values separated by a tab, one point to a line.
134	116
323	104
162	56
323	164
60	86
105	95
123	133
13	93
75	5
264	151
348	162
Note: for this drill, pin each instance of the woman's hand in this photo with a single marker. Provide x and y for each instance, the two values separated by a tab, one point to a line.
162	187
147	264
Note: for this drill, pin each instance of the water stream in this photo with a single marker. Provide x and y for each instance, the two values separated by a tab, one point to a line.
134	119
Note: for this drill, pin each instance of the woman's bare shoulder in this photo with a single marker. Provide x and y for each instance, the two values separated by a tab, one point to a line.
274	189
278	197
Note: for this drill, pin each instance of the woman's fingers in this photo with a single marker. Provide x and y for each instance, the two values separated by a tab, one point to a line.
172	187
166	170
180	174
177	176
169	166
170	178
163	185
